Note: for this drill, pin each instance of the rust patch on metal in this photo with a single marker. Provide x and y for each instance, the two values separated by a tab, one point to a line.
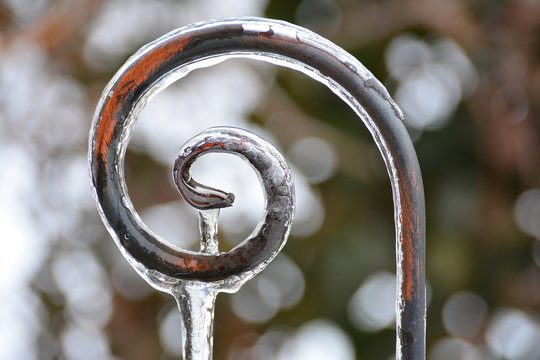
131	80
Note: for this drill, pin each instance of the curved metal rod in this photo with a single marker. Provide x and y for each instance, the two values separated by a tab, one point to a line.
170	57
253	253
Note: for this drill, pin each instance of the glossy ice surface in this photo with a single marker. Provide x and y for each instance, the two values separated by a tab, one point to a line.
172	56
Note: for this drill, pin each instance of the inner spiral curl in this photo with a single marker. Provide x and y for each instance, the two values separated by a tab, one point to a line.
264	158
200	196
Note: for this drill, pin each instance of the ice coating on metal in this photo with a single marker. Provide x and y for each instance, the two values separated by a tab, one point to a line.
208	227
196	302
262	246
175	54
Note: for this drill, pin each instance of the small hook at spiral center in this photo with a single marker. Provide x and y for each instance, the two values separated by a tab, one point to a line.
199	196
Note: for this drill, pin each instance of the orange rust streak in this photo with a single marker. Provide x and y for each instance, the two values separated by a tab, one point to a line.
195	265
191	264
211	145
186	263
407	244
131	80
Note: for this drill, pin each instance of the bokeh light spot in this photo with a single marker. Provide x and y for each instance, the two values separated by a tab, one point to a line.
512	334
432	78
315	157
279	287
450	349
372	307
527	212
170	332
464	314
318	340
84	343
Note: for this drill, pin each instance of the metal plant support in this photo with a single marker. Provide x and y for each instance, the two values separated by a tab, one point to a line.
187	274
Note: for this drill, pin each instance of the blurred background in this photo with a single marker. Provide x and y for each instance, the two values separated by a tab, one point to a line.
467	76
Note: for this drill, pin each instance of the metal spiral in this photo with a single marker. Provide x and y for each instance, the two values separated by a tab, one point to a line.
175	54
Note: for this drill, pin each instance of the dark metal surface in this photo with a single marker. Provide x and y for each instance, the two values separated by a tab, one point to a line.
356	86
